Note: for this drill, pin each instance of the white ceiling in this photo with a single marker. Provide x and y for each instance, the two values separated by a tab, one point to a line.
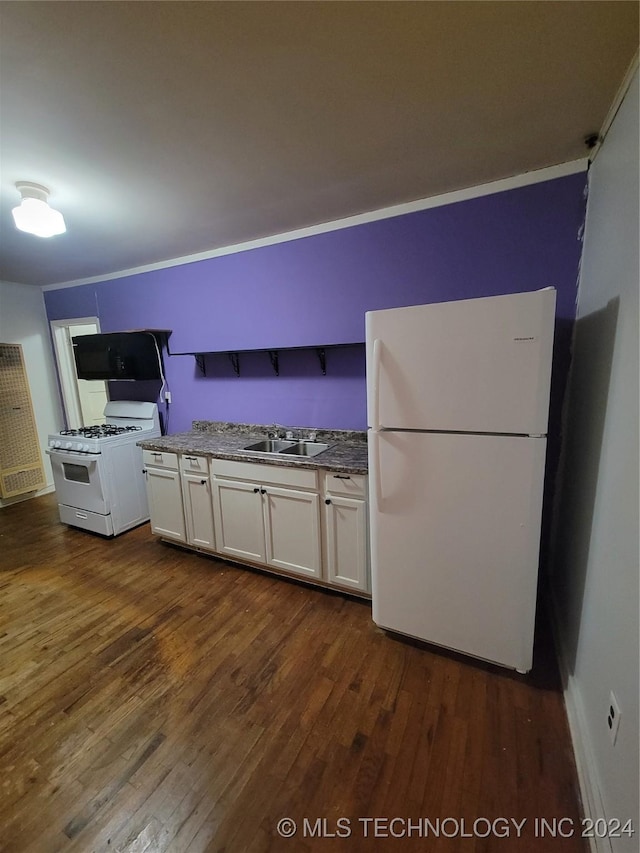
170	128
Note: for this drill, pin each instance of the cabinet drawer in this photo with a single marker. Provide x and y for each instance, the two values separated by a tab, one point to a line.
300	478
160	459
349	485
190	464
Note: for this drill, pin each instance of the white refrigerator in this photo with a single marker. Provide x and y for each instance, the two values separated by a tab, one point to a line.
457	406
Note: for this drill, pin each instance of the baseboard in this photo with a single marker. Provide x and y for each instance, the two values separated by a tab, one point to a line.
588	779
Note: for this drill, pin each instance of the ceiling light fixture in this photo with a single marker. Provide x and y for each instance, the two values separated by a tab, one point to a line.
34	215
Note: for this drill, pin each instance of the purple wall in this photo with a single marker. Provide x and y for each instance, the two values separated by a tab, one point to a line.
315	291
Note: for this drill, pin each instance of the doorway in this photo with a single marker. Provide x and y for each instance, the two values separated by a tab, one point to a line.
83	401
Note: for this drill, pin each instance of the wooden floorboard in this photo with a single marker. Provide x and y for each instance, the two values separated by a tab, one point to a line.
156	701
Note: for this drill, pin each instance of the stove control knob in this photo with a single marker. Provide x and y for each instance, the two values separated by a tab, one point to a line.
85	447
57	443
69	445
52	443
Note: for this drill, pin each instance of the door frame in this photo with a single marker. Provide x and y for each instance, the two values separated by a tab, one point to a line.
66	367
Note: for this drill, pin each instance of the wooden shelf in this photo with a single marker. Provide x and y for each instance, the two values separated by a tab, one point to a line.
273	353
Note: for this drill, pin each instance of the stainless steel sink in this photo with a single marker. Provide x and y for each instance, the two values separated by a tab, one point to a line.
290	448
270	445
305	448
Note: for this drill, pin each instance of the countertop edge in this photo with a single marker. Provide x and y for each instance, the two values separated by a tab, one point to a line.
330	463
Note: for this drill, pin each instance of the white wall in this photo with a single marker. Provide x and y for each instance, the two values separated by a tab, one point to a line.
595	574
23	321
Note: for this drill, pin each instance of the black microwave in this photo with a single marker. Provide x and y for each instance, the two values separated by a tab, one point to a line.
117	355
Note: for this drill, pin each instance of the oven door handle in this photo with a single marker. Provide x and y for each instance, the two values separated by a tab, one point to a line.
70	456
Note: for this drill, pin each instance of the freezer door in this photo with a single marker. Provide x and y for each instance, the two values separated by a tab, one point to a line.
476	365
455	530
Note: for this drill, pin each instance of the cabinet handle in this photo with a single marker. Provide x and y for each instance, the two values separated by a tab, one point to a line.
153	453
144	471
191	458
263	491
327	501
202	482
255	491
341	477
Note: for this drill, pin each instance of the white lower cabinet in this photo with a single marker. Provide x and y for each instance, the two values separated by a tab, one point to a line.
164	494
264	520
309	523
345	531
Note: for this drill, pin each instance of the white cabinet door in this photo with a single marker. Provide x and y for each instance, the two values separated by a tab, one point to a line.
198	510
165	503
292	525
239	521
346	542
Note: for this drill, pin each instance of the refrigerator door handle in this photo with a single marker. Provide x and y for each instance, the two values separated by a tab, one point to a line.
377	473
377	358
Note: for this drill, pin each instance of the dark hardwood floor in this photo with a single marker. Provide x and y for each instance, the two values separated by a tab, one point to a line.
155	700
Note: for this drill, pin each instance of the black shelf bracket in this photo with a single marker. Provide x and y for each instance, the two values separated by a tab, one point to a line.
322	356
275	364
234	358
199	357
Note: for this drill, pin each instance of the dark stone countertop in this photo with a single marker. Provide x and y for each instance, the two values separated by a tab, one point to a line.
347	452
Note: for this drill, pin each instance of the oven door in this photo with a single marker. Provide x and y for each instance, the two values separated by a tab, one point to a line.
80	480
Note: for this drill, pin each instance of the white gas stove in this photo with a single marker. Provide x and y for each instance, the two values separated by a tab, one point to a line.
97	470
89	439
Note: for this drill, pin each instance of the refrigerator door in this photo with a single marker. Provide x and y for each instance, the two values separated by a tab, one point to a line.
477	365
455	530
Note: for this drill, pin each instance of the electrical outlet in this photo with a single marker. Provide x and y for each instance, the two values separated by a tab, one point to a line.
167	396
613	717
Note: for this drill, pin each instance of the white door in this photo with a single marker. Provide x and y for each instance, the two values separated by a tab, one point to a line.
346	529
292	528
198	510
83	401
239	521
165	503
455	531
92	394
129	506
476	365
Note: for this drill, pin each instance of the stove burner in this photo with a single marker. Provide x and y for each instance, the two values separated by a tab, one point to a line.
100	430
